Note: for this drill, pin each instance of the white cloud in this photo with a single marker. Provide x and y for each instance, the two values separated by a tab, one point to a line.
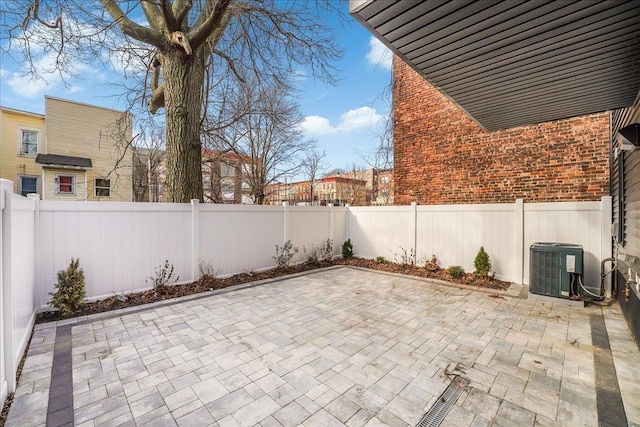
360	118
379	55
317	125
27	87
4	73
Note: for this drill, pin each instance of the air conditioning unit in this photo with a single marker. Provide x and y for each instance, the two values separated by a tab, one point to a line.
555	269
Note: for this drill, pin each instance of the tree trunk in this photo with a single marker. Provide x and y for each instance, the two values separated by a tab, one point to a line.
183	80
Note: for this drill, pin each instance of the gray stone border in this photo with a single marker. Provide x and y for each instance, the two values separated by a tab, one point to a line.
609	399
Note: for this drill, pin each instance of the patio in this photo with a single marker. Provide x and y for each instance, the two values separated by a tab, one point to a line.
339	346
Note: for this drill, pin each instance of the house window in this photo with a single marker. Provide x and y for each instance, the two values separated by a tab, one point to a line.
28	185
103	187
29	145
384	179
65	184
227	170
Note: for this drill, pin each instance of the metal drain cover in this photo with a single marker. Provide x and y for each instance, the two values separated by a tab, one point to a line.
440	409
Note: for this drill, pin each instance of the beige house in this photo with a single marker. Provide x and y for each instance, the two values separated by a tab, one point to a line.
72	152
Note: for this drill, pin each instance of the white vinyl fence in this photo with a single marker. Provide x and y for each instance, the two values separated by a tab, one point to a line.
120	245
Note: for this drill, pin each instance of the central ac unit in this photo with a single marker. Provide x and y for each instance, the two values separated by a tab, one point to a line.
555	269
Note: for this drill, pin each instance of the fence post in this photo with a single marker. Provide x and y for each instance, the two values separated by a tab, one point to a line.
285	234
414	227
607	242
331	225
348	206
195	239
9	359
36	256
518	235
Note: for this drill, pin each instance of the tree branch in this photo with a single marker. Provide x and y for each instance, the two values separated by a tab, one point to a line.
167	14
153	14
204	28
180	9
130	28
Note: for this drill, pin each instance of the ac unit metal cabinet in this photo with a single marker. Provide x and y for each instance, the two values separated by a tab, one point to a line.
554	267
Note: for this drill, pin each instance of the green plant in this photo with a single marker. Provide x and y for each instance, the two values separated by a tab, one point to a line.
455	271
69	294
347	249
326	250
381	260
284	254
432	264
163	275
482	263
406	257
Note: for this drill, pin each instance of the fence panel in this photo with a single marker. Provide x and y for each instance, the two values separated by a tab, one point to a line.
340	233
380	231
235	238
455	233
570	222
23	269
308	228
120	245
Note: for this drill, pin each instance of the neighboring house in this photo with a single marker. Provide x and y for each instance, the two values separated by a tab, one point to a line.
495	101
224	177
149	170
378	187
336	189
72	152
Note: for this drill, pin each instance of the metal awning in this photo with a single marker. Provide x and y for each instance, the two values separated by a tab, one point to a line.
62	162
516	62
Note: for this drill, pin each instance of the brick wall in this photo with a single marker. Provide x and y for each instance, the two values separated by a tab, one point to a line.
443	157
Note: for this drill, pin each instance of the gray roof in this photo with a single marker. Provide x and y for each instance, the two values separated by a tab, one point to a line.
64	162
516	62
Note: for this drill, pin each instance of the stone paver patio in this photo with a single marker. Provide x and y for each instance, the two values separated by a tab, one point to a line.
339	346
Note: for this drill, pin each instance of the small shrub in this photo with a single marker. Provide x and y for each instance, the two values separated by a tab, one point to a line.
163	275
407	258
312	255
70	292
381	260
456	271
347	249
326	251
482	263
284	254
432	264
207	270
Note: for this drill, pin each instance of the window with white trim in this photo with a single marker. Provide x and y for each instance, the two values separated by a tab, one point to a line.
103	187
66	184
28	185
29	142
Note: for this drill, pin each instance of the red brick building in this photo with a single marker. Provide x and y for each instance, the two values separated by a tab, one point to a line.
442	156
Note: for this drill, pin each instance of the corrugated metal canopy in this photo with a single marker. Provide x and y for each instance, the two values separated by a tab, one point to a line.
516	62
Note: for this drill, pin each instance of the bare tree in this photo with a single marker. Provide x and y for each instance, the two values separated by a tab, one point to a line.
354	189
184	47
381	158
313	165
266	130
149	166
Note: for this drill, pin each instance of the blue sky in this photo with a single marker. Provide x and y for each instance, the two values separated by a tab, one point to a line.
345	119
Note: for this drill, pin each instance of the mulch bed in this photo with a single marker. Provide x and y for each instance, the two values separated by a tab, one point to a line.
207	283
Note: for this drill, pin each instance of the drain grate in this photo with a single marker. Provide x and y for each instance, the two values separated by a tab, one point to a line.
440	409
